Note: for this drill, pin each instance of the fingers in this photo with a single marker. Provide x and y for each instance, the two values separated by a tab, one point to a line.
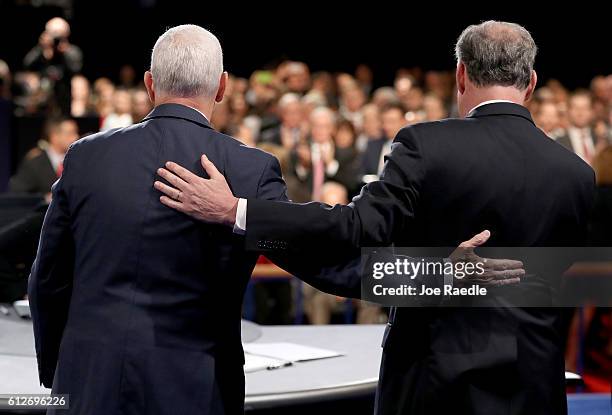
476	240
167	190
172	203
181	172
172	179
509	281
210	168
498	275
501	264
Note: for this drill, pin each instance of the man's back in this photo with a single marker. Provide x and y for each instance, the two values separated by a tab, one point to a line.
154	314
493	170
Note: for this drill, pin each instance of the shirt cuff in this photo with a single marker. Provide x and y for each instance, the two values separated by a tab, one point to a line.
241	212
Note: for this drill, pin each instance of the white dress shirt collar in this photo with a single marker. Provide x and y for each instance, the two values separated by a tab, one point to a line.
491	101
201	113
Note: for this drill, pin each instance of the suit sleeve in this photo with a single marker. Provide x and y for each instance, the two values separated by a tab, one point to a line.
50	283
320	244
383	209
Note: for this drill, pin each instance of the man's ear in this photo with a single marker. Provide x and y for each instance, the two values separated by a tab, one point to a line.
222	85
531	87
148	81
460	75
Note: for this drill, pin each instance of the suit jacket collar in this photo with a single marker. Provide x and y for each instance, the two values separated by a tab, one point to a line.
178	111
501	108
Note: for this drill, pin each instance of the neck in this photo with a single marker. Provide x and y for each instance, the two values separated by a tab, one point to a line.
479	95
205	107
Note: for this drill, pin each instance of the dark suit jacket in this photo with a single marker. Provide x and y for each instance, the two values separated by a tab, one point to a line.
35	174
444	182
371	156
137	307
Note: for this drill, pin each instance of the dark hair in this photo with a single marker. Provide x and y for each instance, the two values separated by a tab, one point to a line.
53	123
393	106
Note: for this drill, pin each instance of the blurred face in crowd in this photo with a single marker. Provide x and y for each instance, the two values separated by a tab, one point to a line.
393	120
434	108
141	105
127	75
345	136
322	126
62	135
298	77
372	126
413	100
323	82
122	102
353	99
334	194
364	75
292	114
580	111
384	96
238	105
402	85
104	89
245	135
345	81
79	88
547	117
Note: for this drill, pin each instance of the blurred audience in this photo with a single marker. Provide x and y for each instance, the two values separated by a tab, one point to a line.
121	115
329	131
43	165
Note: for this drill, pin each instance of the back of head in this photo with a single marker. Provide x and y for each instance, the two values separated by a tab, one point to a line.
187	62
497	54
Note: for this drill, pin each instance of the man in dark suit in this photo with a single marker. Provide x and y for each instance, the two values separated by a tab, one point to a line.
579	136
393	119
43	165
136	307
442	182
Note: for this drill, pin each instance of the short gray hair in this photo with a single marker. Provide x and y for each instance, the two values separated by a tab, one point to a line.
497	53
187	61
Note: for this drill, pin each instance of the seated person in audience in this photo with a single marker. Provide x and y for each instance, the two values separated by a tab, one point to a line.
141	105
348	157
122	111
43	165
433	108
316	162
292	128
103	96
320	306
393	120
81	105
371	128
579	136
547	119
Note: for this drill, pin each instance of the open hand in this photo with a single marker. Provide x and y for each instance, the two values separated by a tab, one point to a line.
209	200
496	271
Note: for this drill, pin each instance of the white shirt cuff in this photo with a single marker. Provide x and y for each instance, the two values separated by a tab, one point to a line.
241	212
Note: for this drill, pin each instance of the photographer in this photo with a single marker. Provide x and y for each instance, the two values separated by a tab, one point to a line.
56	60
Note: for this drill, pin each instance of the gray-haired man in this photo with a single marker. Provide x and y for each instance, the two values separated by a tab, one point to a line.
442	182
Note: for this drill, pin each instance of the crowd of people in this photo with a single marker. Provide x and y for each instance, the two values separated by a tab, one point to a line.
330	131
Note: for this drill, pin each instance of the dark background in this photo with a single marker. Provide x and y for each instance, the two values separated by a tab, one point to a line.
574	40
